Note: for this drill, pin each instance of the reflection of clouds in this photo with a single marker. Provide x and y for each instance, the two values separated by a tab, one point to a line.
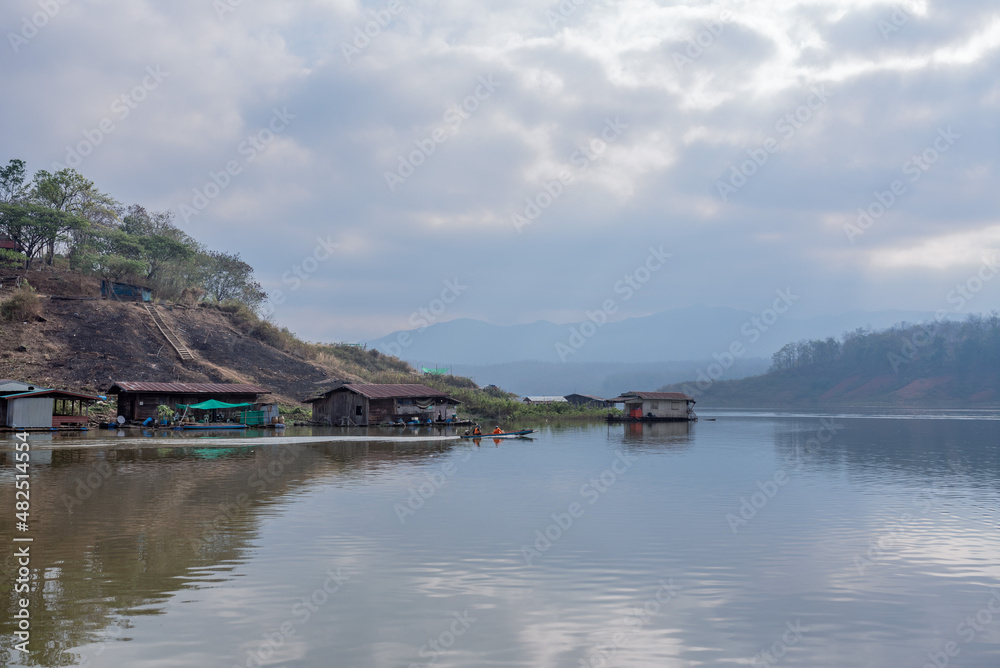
543	621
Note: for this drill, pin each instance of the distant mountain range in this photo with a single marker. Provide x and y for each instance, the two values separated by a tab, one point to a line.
603	379
592	358
691	333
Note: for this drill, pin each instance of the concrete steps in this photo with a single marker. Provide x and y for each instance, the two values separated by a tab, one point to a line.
168	333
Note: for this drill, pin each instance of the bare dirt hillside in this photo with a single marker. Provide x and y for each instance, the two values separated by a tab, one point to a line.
80	342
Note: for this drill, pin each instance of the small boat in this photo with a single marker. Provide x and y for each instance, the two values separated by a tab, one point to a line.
523	432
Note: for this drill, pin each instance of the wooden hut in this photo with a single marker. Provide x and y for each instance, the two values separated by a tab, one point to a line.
587	400
361	405
138	400
26	406
6	243
655	407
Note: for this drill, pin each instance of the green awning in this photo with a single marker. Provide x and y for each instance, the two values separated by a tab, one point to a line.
210	404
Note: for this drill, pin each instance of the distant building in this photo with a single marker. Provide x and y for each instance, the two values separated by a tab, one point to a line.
544	400
655	406
26	406
355	404
138	400
587	400
126	292
6	243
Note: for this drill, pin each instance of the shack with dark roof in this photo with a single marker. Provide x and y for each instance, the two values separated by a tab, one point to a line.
360	405
138	400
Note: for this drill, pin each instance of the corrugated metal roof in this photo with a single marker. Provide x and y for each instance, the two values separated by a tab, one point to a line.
60	393
189	388
386	391
664	396
586	396
394	391
545	400
16	386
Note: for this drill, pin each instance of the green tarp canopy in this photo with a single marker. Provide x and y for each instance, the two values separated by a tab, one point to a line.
435	372
210	404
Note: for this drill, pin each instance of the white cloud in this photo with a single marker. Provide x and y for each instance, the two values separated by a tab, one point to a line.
687	127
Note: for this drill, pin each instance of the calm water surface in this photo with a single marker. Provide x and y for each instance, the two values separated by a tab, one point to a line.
752	540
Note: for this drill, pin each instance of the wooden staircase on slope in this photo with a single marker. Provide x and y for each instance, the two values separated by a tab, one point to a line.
164	328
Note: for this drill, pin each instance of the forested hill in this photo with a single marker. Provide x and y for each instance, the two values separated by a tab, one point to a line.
64	220
934	364
60	236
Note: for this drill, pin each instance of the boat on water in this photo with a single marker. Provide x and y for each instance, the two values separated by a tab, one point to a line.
505	434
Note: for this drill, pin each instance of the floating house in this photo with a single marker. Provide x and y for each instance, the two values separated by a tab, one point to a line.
125	292
544	400
654	407
138	400
26	406
360	405
587	400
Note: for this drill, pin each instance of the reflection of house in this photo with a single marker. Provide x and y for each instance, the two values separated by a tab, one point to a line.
588	400
126	292
660	432
138	401
25	406
362	405
544	400
654	406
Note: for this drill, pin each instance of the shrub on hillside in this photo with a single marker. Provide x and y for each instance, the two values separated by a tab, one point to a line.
21	306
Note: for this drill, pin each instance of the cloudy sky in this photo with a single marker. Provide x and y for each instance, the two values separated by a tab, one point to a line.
532	159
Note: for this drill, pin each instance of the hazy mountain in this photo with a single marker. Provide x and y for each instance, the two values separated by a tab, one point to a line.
692	333
605	379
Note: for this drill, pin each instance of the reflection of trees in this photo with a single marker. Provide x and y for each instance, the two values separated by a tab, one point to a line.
934	449
118	531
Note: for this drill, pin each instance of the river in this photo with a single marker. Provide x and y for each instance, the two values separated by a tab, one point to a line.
748	538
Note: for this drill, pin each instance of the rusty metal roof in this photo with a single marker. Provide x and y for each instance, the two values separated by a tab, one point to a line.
188	388
394	391
387	391
663	396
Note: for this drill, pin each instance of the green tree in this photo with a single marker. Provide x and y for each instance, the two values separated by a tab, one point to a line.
12	181
163	244
33	227
114	255
228	278
67	190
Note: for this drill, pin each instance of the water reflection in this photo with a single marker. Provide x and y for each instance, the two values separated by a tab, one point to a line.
118	530
653	435
877	540
918	450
